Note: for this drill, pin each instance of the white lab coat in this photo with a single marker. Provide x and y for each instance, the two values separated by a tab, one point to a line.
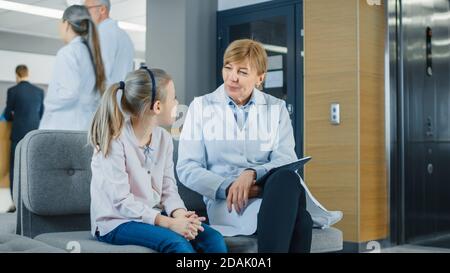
72	99
117	51
213	149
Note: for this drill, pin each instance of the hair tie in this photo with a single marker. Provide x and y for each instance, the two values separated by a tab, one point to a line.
119	96
122	85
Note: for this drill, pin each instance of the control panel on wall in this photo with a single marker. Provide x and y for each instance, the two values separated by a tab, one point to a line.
335	118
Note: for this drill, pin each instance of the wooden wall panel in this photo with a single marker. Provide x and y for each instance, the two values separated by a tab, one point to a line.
371	38
344	61
330	29
334	184
330	76
373	204
5	143
373	180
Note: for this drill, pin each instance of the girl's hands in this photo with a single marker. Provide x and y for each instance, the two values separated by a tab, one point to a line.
186	223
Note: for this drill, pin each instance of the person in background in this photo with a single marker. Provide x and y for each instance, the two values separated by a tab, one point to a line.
117	47
2	116
134	195
24	107
78	79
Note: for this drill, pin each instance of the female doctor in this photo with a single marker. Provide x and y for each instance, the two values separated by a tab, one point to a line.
231	138
78	78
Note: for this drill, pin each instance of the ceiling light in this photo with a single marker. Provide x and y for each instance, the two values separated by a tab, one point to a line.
274	48
73	2
132	27
40	11
57	14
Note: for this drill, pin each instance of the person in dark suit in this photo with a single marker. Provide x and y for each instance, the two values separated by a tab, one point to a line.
24	107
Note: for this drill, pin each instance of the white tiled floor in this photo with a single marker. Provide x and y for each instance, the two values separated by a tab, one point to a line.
5	200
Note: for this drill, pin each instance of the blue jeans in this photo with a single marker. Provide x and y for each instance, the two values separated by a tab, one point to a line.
165	240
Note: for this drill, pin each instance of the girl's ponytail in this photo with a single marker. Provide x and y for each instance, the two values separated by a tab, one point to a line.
108	120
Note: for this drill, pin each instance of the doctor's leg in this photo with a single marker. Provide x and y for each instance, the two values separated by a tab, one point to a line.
284	225
302	236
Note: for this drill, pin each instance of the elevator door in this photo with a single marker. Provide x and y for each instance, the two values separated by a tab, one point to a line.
426	59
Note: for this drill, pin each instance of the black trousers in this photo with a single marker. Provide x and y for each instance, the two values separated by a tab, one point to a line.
11	166
284	224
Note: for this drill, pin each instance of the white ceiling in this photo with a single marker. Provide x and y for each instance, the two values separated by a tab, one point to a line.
131	11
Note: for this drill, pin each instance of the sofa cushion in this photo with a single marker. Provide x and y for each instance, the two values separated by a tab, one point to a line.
242	244
239	244
323	240
16	243
8	223
55	172
326	240
87	244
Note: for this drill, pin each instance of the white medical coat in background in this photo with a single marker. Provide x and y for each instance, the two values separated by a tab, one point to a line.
72	98
117	51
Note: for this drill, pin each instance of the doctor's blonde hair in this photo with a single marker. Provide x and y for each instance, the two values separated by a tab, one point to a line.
135	101
247	49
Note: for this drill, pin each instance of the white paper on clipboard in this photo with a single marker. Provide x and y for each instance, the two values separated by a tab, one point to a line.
275	62
274	79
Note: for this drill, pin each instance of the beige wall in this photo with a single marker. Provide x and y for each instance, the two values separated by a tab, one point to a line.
184	44
344	54
5	128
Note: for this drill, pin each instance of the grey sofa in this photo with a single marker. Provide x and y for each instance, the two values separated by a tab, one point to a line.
8	223
19	244
53	197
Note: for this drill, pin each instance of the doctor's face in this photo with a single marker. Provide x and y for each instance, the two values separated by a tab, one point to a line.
239	80
95	8
63	30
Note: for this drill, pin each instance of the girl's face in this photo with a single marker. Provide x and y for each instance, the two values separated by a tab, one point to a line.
167	110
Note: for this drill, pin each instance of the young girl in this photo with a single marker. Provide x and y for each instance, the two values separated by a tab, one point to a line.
134	197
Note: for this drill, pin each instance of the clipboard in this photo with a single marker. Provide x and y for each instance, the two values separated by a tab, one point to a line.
293	166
